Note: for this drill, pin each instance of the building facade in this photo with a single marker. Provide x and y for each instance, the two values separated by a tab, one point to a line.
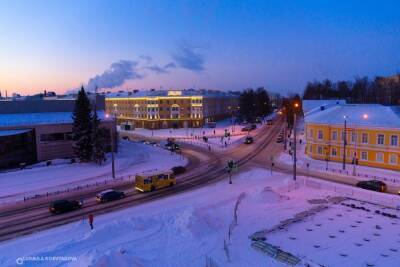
171	109
367	134
39	130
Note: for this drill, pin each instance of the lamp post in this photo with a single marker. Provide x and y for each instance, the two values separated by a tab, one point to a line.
344	142
113	141
296	105
284	131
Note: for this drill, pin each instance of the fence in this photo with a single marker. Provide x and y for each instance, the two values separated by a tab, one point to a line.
343	190
96	184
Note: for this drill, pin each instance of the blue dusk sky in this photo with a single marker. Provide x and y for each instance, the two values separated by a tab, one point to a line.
228	45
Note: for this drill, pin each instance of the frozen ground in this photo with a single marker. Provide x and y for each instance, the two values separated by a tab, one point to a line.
362	172
191	228
131	159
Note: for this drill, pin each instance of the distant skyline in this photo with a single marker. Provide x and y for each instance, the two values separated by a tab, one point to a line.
227	45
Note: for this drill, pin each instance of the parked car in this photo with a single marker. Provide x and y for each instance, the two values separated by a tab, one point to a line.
373	185
249	140
253	126
178	170
109	195
125	137
61	206
279	140
246	129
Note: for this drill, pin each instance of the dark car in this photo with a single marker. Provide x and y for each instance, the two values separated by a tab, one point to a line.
279	140
109	195
172	146
246	129
61	206
249	140
253	126
178	170
374	185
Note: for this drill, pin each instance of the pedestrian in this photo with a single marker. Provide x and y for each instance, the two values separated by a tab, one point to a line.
209	147
226	144
91	221
214	132
300	141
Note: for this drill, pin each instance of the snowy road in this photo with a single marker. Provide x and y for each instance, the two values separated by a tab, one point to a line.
209	171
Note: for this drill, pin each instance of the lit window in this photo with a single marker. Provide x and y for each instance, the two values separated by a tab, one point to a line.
381	139
311	134
334	152
320	150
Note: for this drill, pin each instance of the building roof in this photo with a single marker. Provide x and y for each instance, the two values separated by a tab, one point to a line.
22	119
360	115
311	106
13	132
164	93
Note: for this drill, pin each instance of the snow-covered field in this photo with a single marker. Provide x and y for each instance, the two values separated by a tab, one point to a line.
132	158
191	228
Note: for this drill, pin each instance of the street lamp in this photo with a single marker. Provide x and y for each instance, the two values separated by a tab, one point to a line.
344	142
296	105
113	140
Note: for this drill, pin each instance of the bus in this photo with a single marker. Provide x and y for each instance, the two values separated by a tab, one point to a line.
150	181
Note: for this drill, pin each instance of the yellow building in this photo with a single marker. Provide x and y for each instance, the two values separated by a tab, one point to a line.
371	132
170	109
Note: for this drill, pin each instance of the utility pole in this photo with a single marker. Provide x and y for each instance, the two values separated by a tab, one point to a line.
113	141
294	147
344	143
284	131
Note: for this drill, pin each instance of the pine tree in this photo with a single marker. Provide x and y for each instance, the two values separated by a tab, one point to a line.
99	139
82	127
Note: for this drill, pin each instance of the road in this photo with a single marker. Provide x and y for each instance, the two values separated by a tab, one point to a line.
205	168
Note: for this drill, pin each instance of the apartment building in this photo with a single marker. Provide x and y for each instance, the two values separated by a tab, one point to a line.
368	134
170	109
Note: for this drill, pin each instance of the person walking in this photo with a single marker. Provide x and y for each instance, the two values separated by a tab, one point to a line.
91	221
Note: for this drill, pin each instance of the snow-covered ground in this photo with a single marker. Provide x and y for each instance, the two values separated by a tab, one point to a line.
362	172
192	228
132	158
216	136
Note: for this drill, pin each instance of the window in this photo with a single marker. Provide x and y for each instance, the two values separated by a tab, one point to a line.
393	159
311	133
334	135
364	138
381	139
334	151
364	155
353	137
320	135
379	157
310	149
52	137
320	150
344	135
394	139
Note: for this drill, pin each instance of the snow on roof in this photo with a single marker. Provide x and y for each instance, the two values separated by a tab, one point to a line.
13	132
370	115
154	172
311	106
155	93
21	119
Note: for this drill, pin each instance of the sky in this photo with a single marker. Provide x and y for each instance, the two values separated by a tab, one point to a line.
171	44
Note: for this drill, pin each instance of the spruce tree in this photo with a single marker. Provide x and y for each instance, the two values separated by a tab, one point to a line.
99	140
82	127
